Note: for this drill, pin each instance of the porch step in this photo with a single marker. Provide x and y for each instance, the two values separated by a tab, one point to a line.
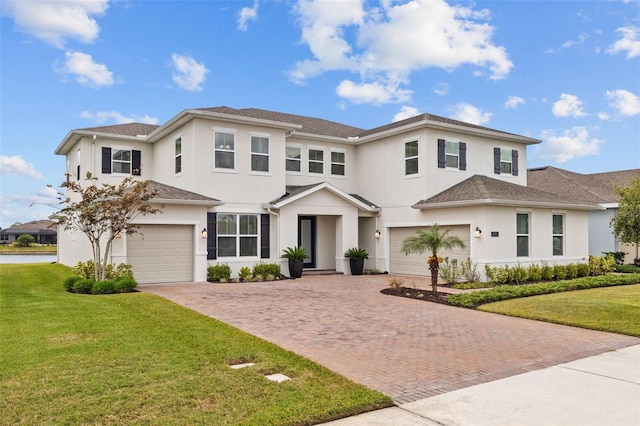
312	272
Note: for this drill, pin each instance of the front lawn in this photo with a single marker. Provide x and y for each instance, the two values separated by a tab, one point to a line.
613	309
138	359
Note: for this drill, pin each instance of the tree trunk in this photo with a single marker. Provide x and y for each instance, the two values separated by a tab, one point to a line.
434	268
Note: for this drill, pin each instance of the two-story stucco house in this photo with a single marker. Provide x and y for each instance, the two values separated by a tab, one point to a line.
237	186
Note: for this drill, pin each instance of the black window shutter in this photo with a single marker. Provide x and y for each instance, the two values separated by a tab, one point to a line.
265	236
212	235
514	162
106	160
78	172
462	151
135	162
496	161
441	157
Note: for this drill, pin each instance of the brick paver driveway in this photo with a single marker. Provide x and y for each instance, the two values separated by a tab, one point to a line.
407	349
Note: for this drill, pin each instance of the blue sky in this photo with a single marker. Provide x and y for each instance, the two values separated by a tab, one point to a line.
566	72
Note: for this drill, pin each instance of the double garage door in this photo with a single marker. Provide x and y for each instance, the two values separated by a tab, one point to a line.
415	264
161	253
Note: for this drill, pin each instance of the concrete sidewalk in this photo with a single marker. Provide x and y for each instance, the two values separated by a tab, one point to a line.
601	390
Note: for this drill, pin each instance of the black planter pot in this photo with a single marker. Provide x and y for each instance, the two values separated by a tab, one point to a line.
295	268
357	266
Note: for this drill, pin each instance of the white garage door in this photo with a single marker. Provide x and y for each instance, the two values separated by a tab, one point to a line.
161	253
415	264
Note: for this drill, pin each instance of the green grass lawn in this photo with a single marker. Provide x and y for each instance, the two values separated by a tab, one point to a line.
7	248
613	309
138	359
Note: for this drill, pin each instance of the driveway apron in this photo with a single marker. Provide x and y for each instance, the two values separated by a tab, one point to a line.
407	349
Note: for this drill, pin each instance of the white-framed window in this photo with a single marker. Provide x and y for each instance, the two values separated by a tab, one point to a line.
178	155
338	162
411	158
452	154
259	154
78	162
558	234
224	149
506	158
316	160
293	160
237	235
522	234
121	161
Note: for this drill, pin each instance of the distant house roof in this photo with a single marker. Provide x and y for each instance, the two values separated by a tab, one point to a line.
172	195
42	227
595	188
483	190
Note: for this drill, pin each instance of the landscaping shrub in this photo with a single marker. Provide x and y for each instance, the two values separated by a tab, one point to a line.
125	284
618	256
267	271
534	272
518	274
571	271
103	287
470	271
449	270
627	269
583	270
219	273
601	265
505	292
559	272
546	271
85	270
70	282
82	286
245	274
24	240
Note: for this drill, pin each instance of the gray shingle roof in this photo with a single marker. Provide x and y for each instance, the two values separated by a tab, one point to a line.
129	129
591	189
40	226
167	192
483	189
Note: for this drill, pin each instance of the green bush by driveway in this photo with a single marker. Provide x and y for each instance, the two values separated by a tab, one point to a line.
138	359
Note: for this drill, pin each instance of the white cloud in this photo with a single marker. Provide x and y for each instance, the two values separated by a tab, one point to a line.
405	112
470	114
625	102
189	74
17	166
630	42
117	117
513	102
441	89
247	14
385	44
374	93
57	21
568	144
568	106
87	72
603	116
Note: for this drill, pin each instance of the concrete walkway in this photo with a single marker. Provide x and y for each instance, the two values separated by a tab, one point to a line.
602	390
407	349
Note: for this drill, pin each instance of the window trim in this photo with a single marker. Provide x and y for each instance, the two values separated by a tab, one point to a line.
527	235
238	236
414	157
177	155
115	148
343	164
252	153
233	151
309	160
287	158
561	235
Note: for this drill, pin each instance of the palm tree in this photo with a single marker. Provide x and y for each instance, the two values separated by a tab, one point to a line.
433	241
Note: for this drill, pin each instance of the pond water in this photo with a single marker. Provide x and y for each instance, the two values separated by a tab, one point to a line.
28	258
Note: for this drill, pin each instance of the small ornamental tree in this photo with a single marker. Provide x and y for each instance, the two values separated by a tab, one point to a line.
103	212
626	222
432	241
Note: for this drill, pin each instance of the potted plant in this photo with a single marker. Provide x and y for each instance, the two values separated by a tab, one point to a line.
296	256
356	256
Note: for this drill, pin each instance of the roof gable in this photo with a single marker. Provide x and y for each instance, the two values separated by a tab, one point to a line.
295	193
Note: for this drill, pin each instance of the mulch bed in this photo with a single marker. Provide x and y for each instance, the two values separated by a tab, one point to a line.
416	293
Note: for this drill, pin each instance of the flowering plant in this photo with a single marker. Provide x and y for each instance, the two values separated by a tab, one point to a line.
434	259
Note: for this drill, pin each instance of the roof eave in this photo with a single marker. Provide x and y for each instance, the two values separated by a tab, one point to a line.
314	136
173	201
504	203
332	189
74	136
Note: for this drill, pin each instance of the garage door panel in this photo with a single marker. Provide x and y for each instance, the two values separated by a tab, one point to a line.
415	264
161	253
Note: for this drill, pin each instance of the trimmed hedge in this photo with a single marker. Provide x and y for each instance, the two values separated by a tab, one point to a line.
506	292
81	285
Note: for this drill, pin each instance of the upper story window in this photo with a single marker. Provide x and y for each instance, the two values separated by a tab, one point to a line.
316	161
452	154
522	234
293	158
505	161
78	161
224	150
410	158
337	163
121	160
259	154
558	234
178	155
237	235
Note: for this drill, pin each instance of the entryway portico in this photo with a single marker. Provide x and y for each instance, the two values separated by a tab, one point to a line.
323	219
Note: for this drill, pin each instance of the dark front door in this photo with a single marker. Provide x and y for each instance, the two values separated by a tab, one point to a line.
307	238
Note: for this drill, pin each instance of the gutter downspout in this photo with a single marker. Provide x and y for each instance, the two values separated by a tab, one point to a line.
277	215
375	224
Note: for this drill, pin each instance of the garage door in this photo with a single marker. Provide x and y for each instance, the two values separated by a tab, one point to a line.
161	253
415	264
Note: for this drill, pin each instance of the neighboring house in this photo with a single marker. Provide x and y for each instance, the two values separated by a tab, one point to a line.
44	232
237	186
597	188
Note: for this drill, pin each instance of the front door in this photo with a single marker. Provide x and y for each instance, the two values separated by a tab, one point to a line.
307	238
